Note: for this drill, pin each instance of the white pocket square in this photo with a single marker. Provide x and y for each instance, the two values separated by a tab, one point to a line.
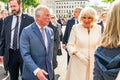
52	37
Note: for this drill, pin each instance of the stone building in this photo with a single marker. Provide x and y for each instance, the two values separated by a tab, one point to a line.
64	8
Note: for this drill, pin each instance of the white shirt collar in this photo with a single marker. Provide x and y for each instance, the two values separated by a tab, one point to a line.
40	26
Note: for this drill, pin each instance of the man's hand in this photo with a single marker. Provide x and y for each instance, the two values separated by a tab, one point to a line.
64	46
1	59
41	74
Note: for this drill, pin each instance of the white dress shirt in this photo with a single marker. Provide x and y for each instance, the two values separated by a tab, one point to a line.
13	28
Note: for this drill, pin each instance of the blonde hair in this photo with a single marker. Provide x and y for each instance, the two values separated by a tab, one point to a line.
90	12
111	36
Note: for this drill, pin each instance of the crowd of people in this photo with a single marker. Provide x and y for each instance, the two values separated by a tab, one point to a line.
29	45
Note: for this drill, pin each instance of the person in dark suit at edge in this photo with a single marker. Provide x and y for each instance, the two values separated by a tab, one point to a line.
69	25
9	41
4	14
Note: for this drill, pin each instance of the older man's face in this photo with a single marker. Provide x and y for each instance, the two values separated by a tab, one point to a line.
44	18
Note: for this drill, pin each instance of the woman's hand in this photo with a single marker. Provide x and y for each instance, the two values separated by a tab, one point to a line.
64	46
84	59
74	52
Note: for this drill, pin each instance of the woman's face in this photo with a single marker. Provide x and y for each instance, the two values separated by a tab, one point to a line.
87	21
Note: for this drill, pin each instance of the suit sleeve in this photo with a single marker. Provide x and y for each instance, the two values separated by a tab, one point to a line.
65	37
71	42
25	51
2	40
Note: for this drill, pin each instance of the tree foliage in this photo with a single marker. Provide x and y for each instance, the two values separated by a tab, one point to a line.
4	1
26	3
108	1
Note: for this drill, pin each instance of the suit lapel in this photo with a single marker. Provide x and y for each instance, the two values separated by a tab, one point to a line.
23	18
73	20
48	37
38	33
9	26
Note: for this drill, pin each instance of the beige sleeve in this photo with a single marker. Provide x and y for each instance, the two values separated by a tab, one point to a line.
71	42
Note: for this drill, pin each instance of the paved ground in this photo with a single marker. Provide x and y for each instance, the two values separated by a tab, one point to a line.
3	76
2	73
60	71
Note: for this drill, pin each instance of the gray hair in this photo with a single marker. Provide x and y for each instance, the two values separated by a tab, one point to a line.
39	9
80	8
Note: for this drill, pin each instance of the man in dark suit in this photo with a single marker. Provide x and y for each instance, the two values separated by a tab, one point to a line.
9	42
69	25
36	45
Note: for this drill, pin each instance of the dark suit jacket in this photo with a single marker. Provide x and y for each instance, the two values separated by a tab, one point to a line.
102	26
34	53
6	34
1	23
56	43
69	26
60	22
107	63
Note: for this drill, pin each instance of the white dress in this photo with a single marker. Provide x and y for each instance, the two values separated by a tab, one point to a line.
85	45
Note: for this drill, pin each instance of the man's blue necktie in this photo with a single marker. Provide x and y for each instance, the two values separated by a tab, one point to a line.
15	35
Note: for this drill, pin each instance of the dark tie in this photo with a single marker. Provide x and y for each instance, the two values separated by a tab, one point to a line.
77	21
15	35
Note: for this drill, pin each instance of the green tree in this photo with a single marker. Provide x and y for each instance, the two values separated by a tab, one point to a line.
4	1
26	3
108	1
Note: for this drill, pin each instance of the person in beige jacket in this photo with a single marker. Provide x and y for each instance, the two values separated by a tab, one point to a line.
82	43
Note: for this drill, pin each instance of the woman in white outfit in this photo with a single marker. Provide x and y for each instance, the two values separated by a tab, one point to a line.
82	43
